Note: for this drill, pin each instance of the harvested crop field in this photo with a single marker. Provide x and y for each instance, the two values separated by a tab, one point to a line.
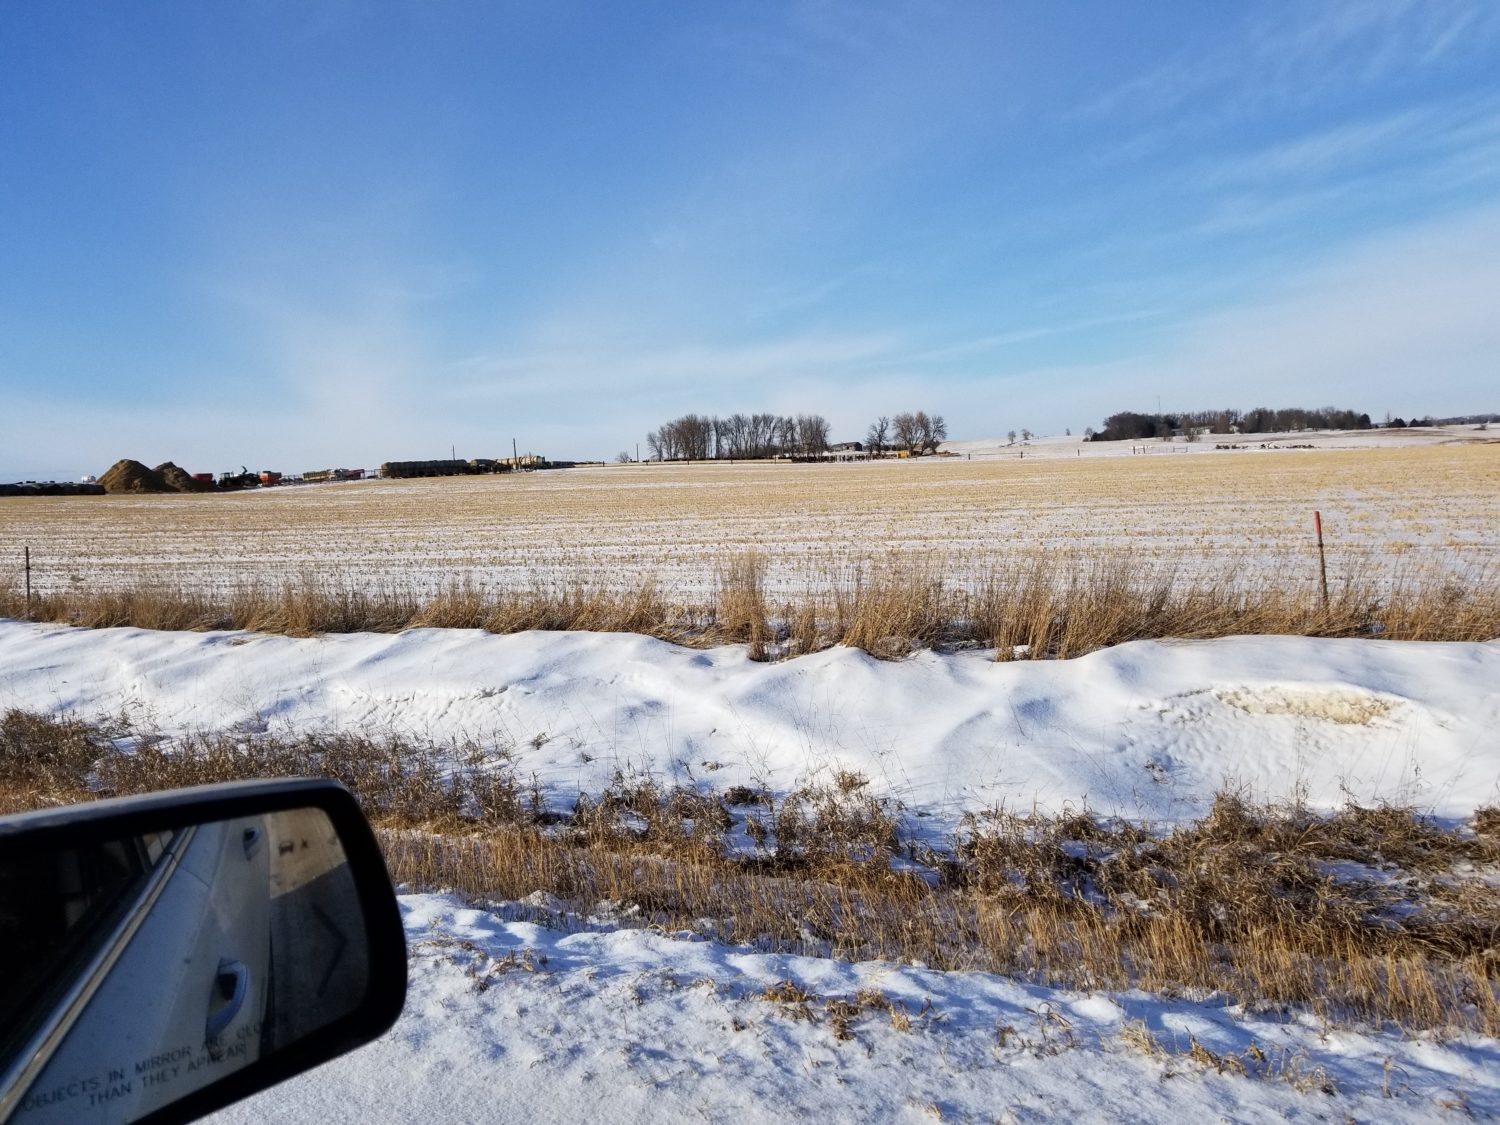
1417	509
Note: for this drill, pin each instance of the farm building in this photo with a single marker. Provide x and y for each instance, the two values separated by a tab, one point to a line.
846	451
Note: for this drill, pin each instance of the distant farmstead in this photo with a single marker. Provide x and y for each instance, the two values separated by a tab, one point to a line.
458	468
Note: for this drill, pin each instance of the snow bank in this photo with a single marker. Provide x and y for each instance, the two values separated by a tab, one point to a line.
1148	729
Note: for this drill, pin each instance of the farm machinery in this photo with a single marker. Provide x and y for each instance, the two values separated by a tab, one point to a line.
243	479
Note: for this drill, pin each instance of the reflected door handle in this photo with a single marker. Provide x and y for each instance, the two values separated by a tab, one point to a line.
231	983
251	840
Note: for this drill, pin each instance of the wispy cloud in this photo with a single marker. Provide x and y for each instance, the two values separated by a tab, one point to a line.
1295	54
1321	153
1409	135
708	369
986	345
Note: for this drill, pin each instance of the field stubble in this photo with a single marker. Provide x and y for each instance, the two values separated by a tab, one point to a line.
1055	557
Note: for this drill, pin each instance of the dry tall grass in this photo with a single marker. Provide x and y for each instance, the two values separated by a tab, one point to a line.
1367	915
1037	606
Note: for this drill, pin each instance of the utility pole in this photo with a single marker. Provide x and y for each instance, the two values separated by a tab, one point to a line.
515	458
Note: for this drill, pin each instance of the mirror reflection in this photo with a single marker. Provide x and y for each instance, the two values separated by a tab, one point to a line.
138	970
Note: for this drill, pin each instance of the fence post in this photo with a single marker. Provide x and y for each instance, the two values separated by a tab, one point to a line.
1322	560
28	581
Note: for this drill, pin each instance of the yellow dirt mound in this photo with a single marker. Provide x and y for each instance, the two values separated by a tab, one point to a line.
127	476
178	480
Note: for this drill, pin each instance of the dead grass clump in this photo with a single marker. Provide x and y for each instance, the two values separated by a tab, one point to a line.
894	604
567	606
840	1012
637	810
148	606
1009	856
1394	834
393	779
307	605
1278	1064
745	795
1487	821
790	997
46	760
836	824
740	613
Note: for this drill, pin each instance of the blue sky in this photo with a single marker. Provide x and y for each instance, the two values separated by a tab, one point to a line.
294	234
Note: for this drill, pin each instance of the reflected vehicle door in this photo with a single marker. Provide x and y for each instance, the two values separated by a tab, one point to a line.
203	910
167	954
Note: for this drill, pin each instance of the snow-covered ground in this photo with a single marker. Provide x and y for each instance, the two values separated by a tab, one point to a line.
534	1024
586	1018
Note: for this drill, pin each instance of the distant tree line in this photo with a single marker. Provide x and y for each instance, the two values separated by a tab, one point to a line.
700	437
1465	420
914	433
744	437
1398	422
1128	425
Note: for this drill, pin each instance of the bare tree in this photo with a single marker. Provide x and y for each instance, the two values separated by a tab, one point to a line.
623	458
786	435
904	431
878	435
811	434
1025	435
922	425
937	433
1011	435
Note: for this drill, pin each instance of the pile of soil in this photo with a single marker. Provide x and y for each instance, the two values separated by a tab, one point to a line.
129	476
178	480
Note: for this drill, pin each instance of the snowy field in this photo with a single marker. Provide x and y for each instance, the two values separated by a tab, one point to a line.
1410	499
518	1012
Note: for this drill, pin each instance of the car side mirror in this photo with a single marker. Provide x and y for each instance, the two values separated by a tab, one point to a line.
162	956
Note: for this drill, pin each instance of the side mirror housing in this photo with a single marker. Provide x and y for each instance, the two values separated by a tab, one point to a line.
169	954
